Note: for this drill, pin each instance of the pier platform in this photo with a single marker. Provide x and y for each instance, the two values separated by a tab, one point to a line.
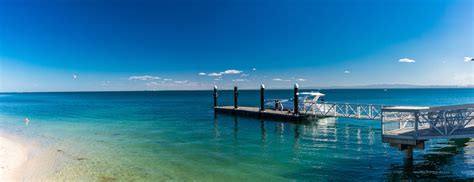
267	114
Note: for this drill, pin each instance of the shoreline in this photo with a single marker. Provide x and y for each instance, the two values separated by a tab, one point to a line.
13	155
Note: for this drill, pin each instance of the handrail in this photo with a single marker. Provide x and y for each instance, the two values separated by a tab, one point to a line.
349	110
438	121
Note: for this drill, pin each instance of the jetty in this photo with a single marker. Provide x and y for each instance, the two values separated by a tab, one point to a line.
404	127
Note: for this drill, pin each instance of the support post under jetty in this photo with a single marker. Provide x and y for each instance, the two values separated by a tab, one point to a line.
236	98
409	152
295	99
262	98
215	96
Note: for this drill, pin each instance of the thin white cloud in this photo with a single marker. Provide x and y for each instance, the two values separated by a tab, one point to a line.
214	74
301	79
226	72
231	72
217	79
406	60
244	75
105	83
152	84
280	80
347	72
181	81
202	74
254	69
240	80
144	78
167	79
74	76
468	59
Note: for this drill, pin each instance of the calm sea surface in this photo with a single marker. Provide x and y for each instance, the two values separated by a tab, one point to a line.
174	135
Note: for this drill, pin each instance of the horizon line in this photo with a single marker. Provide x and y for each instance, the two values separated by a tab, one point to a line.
368	87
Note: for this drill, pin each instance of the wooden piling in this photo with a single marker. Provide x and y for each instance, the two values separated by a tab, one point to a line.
409	152
295	99
262	98
215	95
236	98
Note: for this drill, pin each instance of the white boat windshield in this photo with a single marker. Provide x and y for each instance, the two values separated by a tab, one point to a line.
311	96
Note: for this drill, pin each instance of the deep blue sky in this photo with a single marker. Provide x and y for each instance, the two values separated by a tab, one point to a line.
102	45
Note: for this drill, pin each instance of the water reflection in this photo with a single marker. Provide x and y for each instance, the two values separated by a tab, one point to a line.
217	133
280	129
264	133
296	142
432	165
323	146
236	128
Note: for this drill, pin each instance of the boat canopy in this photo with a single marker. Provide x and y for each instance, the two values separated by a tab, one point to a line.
312	93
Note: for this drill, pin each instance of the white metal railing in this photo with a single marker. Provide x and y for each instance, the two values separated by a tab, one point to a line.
348	110
428	122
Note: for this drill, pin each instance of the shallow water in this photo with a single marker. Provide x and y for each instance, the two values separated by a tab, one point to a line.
148	136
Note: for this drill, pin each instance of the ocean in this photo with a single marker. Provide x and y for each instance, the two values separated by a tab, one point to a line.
175	136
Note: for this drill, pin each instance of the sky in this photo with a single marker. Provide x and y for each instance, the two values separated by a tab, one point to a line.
63	45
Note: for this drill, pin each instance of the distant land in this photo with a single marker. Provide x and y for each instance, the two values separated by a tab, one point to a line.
390	86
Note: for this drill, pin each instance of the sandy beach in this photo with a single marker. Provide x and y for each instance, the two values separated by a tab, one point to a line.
13	155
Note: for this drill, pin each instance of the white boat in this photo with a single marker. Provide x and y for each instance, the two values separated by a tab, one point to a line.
307	100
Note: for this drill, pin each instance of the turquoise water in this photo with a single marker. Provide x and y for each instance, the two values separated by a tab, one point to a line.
174	135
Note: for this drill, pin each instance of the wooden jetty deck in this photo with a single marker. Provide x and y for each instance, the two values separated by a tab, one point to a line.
267	114
406	127
428	133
